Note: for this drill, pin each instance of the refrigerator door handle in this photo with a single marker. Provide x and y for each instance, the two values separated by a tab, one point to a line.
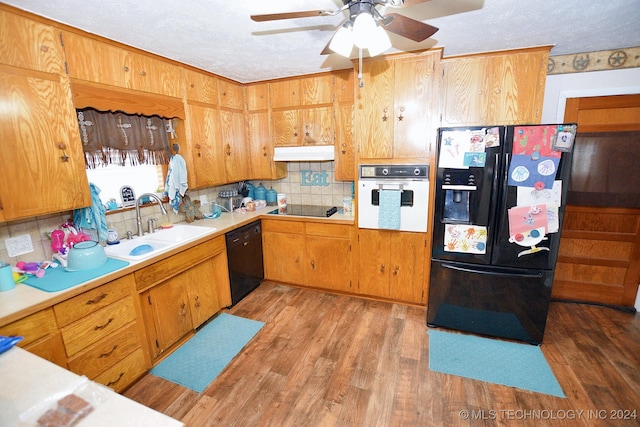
491	272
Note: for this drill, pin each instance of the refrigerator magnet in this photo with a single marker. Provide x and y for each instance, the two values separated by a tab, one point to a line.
564	139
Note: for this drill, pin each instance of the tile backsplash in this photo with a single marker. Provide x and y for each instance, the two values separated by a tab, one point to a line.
311	183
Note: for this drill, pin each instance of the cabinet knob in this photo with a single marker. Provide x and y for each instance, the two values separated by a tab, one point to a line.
401	117
313	265
384	115
197	303
396	270
125	69
143	73
382	268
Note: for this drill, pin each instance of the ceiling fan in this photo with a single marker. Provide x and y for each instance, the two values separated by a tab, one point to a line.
366	25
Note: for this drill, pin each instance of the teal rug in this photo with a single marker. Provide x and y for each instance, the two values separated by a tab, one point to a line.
199	361
495	361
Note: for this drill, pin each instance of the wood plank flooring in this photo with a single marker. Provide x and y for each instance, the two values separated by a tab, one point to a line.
332	360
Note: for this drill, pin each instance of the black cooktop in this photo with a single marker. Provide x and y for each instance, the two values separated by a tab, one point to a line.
306	210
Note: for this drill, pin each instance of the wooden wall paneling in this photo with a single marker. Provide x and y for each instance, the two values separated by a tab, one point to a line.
599	256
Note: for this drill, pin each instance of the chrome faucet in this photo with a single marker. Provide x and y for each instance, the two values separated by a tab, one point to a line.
138	218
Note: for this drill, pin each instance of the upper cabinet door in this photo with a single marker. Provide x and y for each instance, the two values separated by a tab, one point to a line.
103	62
316	90
200	87
285	93
417	101
231	95
257	96
29	44
495	89
42	167
397	108
374	110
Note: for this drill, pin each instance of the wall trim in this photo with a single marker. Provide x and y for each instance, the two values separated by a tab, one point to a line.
594	61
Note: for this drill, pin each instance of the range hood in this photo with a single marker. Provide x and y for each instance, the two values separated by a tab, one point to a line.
307	153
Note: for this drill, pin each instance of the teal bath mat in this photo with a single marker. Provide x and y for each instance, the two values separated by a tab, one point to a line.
198	361
495	361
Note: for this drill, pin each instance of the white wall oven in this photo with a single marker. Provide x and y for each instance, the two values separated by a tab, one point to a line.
394	197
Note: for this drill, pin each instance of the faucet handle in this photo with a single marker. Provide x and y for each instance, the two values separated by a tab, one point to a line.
129	235
151	224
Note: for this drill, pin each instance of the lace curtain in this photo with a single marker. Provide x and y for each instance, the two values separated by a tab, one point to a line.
117	138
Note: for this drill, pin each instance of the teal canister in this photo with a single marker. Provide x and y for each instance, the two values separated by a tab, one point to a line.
260	193
251	188
272	197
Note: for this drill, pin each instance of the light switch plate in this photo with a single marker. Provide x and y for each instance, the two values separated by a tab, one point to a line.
18	245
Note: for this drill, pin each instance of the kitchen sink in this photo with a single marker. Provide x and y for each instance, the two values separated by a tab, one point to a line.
140	248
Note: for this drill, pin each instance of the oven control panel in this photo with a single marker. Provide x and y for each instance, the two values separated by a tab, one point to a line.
394	171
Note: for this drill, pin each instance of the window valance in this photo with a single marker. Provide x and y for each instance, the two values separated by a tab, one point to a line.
116	138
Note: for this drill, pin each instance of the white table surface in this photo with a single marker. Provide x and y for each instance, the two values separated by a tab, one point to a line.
28	382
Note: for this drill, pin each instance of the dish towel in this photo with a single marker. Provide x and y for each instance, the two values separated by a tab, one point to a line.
389	213
176	184
92	217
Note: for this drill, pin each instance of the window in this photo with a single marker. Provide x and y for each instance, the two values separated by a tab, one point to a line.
142	178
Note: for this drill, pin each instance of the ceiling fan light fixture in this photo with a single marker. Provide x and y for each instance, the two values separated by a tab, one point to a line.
379	42
342	41
364	27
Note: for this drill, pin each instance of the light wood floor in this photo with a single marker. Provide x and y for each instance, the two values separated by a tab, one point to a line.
332	360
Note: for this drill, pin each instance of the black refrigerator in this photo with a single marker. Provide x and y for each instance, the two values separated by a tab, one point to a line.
499	204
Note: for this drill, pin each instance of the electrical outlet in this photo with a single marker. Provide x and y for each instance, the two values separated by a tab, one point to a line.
19	245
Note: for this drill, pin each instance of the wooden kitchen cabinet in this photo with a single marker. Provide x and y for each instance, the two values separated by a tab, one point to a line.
259	138
345	160
181	292
204	146
392	265
30	44
103	335
38	126
200	87
502	88
308	253
305	126
284	251
167	314
329	251
396	112
235	147
109	63
40	336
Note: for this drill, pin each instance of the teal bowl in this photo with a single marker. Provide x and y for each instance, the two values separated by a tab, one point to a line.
86	256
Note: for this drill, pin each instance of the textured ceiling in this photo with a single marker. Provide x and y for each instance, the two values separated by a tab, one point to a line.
218	36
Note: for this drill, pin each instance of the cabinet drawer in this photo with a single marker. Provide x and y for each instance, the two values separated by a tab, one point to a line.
98	325
32	328
78	307
283	226
329	230
125	372
169	267
50	348
106	352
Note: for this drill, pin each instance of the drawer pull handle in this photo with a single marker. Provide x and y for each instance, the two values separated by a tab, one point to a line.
110	383
96	299
98	327
108	353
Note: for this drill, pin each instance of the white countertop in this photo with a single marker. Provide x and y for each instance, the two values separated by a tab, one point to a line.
15	302
31	385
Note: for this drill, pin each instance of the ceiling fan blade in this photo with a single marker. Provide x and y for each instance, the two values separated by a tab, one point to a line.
409	28
326	50
287	15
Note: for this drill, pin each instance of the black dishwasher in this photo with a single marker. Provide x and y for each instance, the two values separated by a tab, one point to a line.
244	253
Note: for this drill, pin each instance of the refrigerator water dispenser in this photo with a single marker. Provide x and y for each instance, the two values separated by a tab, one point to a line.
458	190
